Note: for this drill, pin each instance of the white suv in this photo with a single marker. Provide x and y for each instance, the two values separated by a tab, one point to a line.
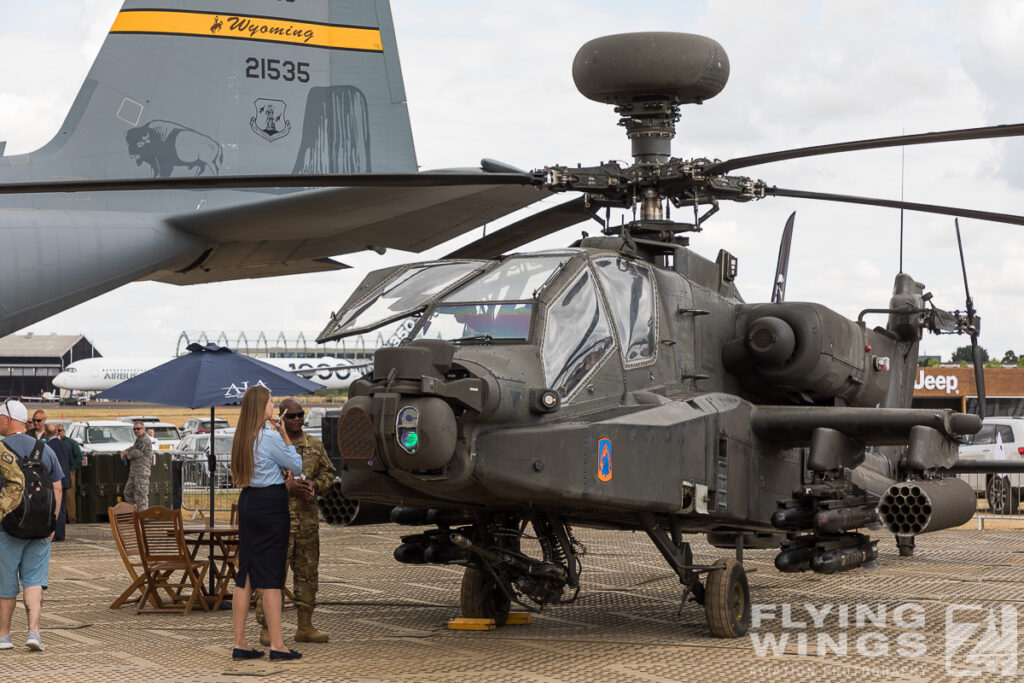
1003	492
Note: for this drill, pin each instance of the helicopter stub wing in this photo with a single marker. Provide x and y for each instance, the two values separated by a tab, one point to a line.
293	233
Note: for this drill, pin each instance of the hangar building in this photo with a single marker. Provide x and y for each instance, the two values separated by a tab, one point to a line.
29	362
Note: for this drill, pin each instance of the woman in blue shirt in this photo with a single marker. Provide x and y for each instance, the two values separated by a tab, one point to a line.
259	453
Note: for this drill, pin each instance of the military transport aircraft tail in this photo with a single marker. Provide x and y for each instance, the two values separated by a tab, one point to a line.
311	87
216	89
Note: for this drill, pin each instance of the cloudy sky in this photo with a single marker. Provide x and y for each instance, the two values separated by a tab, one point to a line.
492	79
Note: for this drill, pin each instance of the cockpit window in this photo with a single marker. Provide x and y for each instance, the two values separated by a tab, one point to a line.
515	279
481	322
576	337
402	295
629	289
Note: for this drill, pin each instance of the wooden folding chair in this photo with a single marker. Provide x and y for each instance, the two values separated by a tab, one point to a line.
163	552
122	525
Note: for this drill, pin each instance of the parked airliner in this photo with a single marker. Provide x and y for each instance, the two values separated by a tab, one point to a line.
99	374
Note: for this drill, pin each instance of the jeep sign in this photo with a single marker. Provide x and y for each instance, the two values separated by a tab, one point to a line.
947	383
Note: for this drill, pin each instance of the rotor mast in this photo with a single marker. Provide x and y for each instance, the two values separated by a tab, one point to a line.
647	77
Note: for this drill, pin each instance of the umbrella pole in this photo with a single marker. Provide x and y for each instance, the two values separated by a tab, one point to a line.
213	472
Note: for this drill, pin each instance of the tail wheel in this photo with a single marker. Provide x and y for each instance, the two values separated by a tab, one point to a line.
1002	497
727	600
482	598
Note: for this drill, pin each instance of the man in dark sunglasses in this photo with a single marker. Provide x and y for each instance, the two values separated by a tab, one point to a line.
36	427
317	476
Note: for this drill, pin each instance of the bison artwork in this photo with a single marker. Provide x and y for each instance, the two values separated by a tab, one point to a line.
166	145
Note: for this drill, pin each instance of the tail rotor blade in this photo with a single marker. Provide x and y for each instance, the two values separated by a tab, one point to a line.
782	269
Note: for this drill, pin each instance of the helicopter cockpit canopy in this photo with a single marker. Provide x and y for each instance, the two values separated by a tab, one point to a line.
590	301
495	306
404	293
484	300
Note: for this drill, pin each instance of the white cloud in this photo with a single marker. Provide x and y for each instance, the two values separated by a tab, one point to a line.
492	79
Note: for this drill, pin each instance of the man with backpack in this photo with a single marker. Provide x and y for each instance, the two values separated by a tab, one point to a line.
25	532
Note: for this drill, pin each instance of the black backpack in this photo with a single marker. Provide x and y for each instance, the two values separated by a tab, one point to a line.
36	517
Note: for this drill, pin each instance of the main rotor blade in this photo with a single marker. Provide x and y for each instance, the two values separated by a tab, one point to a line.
893	204
528	229
1004	131
428	179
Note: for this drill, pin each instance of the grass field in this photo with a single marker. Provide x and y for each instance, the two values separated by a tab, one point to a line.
112	411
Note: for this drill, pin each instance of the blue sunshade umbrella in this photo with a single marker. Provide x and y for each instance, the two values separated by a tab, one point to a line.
207	377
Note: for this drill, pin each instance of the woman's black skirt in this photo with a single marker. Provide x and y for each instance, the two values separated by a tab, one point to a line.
263	523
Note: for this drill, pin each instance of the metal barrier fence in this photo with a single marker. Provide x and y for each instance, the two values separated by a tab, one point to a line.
999	496
195	486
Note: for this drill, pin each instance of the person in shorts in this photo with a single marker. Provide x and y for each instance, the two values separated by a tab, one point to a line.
24	562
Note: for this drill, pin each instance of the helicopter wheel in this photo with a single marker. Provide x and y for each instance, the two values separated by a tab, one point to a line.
482	598
727	600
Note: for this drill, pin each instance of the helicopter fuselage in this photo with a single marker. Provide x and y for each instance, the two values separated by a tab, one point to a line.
661	383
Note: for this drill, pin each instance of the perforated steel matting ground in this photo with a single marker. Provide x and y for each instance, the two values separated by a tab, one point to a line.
950	609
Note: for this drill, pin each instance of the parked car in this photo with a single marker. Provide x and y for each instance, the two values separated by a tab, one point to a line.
166	434
139	418
194	448
314	418
313	424
1003	492
101	436
202	424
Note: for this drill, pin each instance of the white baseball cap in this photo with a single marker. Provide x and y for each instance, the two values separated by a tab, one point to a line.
15	410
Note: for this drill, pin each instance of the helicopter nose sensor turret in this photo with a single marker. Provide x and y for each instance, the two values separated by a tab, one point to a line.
647	76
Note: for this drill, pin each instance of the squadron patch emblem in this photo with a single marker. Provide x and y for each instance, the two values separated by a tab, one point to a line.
604	459
269	122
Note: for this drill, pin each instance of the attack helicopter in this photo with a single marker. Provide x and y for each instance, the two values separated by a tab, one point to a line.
623	382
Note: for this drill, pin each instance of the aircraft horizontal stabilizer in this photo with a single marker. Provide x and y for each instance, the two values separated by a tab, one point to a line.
222	269
291	233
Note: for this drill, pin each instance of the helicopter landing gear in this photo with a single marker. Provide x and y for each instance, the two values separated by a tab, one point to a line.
482	598
905	545
727	600
725	593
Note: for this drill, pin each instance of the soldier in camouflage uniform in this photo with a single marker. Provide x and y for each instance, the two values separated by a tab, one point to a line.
12	482
304	540
140	462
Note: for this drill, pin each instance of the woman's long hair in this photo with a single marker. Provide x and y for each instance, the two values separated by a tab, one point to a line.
250	422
